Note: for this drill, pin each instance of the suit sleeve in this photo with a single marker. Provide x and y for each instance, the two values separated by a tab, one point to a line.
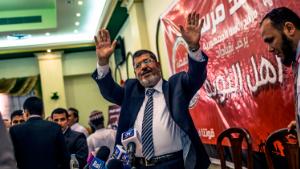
196	75
62	153
81	150
109	89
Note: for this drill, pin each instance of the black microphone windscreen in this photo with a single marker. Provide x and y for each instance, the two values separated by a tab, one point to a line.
103	153
114	164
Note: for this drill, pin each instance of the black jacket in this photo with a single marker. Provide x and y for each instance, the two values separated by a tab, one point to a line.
76	144
39	144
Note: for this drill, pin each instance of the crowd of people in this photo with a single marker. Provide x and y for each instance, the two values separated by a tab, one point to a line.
40	143
156	108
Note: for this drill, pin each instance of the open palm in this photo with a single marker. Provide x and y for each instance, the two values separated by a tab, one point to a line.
191	32
104	47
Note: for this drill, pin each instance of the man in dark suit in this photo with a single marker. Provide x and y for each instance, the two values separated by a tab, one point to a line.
158	109
38	144
75	141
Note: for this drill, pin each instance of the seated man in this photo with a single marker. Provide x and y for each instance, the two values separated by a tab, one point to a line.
75	141
17	117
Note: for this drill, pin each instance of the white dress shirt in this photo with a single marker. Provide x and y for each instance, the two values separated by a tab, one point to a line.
79	128
102	137
166	134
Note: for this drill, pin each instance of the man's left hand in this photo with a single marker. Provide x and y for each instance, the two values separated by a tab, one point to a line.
191	32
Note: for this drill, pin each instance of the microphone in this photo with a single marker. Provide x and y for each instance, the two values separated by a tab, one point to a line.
103	153
130	140
119	152
115	164
89	161
98	162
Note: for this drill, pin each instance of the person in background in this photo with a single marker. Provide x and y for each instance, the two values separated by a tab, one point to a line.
157	108
7	158
17	117
48	118
75	141
102	136
38	144
7	123
73	122
280	30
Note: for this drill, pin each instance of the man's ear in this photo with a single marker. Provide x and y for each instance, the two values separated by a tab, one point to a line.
289	29
25	114
159	66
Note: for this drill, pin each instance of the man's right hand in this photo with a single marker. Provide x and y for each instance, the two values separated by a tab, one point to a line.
104	47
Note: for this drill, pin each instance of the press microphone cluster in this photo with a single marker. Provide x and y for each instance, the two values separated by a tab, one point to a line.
98	162
115	164
120	153
130	140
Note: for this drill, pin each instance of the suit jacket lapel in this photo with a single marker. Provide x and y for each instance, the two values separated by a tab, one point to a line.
165	88
136	101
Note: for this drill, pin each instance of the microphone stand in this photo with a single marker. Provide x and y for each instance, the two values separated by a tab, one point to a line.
131	147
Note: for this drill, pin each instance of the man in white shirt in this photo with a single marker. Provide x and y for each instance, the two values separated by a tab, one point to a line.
102	136
73	122
158	108
280	29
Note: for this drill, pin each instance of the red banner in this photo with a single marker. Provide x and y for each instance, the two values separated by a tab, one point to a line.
246	85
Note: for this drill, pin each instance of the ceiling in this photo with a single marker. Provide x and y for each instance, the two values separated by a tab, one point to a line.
37	25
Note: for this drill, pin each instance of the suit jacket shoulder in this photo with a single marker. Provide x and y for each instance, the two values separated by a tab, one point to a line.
38	142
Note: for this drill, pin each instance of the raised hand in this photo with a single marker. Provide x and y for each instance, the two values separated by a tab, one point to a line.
104	47
191	32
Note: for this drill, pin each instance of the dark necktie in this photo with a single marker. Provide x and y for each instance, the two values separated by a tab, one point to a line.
147	137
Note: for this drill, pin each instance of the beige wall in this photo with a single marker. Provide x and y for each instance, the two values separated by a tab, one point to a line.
153	10
83	94
23	67
52	80
80	90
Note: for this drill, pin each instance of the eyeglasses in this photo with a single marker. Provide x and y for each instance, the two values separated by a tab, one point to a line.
146	62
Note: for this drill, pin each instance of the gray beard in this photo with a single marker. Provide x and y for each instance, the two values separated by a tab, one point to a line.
151	81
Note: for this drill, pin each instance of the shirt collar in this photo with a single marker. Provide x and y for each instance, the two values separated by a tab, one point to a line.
34	115
157	87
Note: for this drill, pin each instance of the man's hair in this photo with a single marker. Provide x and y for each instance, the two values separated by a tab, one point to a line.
16	113
141	52
75	113
34	106
96	119
60	111
279	16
